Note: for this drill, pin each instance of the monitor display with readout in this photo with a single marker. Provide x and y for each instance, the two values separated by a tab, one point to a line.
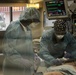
56	9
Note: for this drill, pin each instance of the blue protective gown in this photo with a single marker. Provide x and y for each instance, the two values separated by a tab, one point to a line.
17	44
50	49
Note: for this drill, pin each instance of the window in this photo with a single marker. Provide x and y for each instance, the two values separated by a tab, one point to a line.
5	16
16	11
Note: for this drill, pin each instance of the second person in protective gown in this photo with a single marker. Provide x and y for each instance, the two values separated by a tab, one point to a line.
17	44
56	44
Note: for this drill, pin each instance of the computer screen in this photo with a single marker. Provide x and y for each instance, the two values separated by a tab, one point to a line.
56	9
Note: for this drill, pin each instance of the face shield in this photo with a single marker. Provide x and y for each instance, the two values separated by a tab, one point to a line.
34	24
31	23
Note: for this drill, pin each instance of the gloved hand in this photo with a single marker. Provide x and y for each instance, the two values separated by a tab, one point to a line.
57	62
67	55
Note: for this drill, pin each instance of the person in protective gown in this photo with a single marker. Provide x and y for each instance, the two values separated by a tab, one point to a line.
17	44
58	46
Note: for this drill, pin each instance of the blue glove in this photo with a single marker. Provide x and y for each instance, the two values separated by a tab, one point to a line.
57	62
67	55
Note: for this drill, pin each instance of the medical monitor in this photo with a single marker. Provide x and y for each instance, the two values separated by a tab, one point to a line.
56	9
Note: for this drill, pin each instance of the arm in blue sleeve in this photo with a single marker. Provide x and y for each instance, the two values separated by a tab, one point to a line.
72	45
44	52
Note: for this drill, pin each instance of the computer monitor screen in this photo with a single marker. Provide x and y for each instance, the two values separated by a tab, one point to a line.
56	9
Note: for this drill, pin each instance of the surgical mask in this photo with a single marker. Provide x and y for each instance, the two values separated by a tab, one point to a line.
59	36
33	25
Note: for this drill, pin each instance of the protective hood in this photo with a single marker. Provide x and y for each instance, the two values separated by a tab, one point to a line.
30	13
